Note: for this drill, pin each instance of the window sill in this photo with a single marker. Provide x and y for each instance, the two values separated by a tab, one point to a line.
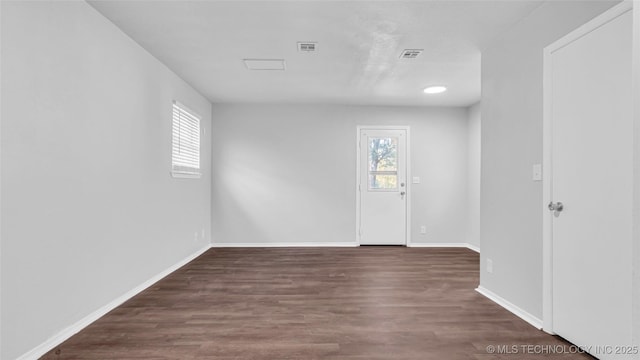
185	175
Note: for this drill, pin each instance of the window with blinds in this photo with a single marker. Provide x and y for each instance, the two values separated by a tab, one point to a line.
185	153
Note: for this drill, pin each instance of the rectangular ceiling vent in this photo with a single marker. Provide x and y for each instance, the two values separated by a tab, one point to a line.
411	53
307	46
264	64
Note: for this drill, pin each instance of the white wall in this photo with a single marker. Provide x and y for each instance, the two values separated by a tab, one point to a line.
511	221
474	121
89	210
287	174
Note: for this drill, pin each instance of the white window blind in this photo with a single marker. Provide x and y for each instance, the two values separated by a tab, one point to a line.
185	153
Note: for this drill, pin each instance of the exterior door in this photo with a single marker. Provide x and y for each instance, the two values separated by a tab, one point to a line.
382	187
591	187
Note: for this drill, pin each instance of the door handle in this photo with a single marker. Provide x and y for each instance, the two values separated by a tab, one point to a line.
556	206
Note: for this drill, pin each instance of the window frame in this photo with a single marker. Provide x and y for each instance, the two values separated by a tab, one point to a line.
381	172
183	173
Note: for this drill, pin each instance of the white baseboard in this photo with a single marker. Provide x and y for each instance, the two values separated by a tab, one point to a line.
534	321
63	335
473	247
445	245
286	244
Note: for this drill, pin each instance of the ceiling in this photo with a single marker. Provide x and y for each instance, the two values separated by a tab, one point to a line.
358	47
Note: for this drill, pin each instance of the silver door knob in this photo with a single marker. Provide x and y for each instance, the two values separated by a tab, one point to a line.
556	206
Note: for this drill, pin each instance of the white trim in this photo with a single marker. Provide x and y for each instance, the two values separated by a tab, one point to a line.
358	184
185	175
66	333
636	176
547	231
590	26
285	244
446	245
473	247
409	183
188	109
547	153
532	320
406	128
337	244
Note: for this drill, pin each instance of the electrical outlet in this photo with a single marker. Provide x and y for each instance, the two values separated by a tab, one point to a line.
490	266
195	236
423	229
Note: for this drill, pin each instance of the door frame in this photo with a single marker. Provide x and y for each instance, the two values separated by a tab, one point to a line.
547	153
407	129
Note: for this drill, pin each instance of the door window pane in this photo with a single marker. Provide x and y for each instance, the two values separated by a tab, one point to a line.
383	163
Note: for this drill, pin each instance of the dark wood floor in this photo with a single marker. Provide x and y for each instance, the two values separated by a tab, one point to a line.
312	303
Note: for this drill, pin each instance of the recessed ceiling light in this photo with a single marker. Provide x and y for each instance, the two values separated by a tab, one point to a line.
435	89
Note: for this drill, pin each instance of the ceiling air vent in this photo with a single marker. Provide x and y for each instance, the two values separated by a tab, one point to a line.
264	64
411	53
307	46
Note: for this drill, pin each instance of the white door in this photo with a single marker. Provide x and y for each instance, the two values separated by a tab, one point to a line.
382	187
591	175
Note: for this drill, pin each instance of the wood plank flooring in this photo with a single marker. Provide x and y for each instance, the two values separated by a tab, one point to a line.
314	303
